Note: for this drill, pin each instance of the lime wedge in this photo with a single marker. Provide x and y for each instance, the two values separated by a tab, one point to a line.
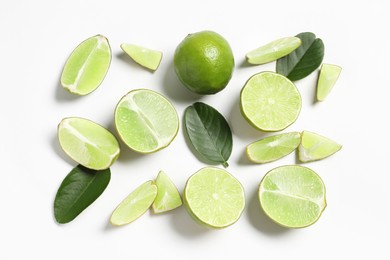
88	143
270	101
214	197
272	148
292	196
87	66
273	50
328	76
168	197
146	121
315	147
145	57
134	205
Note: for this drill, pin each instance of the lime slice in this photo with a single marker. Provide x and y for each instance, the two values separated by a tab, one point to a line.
328	76
134	205
273	50
145	57
292	196
273	148
88	143
315	147
270	101
168	197
87	66
214	197
146	121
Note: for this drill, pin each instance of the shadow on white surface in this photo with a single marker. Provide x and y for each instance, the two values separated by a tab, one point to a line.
54	143
184	225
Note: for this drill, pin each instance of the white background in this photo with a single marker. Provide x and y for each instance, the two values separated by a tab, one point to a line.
37	38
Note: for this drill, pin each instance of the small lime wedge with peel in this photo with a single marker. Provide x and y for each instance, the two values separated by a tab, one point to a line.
293	196
270	101
146	121
273	50
315	147
135	204
145	57
88	143
168	197
87	66
272	148
328	76
214	197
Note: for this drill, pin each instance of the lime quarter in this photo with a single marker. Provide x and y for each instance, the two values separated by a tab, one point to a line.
168	197
328	76
145	57
315	147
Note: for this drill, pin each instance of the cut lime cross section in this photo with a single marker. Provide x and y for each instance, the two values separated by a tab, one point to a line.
146	121
292	196
214	197
145	57
328	76
88	143
273	147
87	66
168	197
270	101
315	147
134	205
273	50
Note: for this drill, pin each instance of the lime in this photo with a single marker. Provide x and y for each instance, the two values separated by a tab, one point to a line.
88	143
168	197
214	197
315	147
87	66
146	121
145	57
270	101
134	205
273	50
204	62
273	148
292	196
328	76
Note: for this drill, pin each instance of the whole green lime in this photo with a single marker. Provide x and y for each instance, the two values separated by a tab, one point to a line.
204	62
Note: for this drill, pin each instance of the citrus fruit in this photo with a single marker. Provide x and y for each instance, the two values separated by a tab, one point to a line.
292	196
315	147
145	57
270	101
168	197
204	62
214	197
88	143
146	121
328	76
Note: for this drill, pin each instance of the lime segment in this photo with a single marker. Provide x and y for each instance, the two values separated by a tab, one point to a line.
168	197
292	196
328	76
315	147
145	57
88	143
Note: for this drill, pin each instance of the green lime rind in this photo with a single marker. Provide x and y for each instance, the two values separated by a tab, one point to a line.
316	147
135	204
292	196
145	57
328	77
87	66
272	148
273	50
168	196
88	143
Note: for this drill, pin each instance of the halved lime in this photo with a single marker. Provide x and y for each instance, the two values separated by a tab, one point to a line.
214	197
270	101
146	121
328	76
88	143
273	148
134	205
292	196
87	66
315	147
168	197
273	50
145	57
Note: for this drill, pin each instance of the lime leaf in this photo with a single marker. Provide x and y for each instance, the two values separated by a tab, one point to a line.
315	147
209	132
304	60
168	197
145	57
80	188
328	76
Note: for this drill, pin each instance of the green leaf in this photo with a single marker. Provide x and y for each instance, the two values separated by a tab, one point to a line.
304	60
209	132
78	190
